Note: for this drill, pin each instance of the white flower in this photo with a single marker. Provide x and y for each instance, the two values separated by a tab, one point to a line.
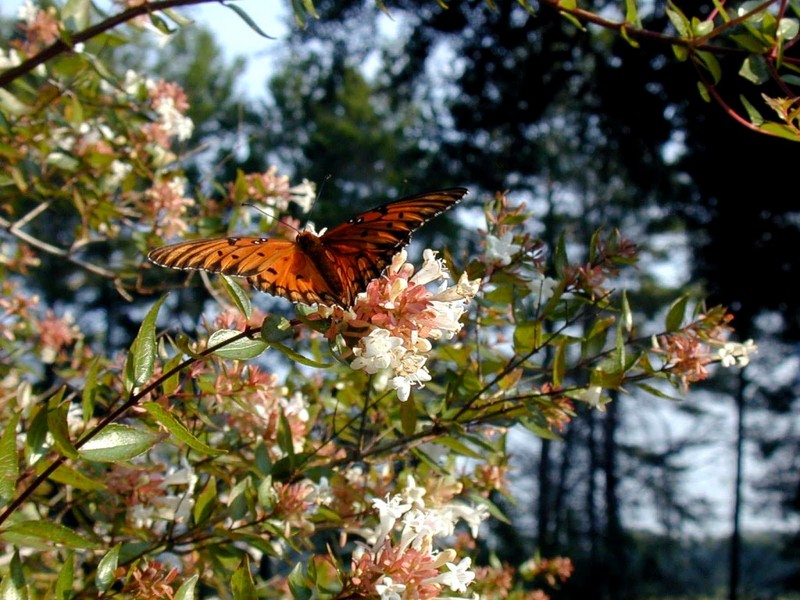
174	122
457	577
304	194
27	12
414	493
296	405
411	371
9	60
542	288
734	353
119	171
389	590
501	250
432	269
134	83
379	350
473	515
323	492
389	511
592	396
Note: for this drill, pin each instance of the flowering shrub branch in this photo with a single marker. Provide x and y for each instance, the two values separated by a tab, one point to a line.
754	38
259	439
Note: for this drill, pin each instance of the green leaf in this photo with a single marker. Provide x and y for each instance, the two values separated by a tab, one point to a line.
37	445
177	17
186	591
267	496
205	502
560	260
170	384
703	91
624	33
457	446
619	350
247	19
78	11
527	337
627	313
632	13
44	534
243	348
408	417
298	585
780	130
657	392
309	6
678	20
69	476
118	442
276	328
9	461
676	314
63	161
284	436
754	69
178	429
788	29
160	23
90	388
106	569
238	295
242	584
11	105
66	576
680	52
711	63
559	365
299	358
538	429
57	423
142	355
13	586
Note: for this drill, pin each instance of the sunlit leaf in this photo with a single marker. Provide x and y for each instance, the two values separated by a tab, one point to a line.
299	358
142	354
9	461
178	429
239	296
106	569
247	19
57	423
36	533
242	585
66	577
118	442
676	314
186	591
13	586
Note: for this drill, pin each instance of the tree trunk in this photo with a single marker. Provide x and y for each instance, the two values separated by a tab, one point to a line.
736	535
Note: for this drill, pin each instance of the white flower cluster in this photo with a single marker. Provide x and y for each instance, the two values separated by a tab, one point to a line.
418	525
736	354
406	316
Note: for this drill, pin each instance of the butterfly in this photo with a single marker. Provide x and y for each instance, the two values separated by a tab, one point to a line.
330	268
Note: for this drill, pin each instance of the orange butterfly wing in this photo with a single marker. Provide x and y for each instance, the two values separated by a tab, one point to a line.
274	266
331	268
359	249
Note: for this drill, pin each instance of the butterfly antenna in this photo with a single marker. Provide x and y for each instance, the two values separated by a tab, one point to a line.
322	186
271	216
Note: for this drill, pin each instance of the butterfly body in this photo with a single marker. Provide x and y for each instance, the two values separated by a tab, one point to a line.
330	268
